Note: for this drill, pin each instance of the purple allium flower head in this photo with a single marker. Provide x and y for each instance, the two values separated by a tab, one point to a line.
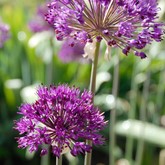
38	24
4	33
127	24
60	117
71	51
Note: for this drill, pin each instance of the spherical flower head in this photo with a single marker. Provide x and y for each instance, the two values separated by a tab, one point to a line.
127	24
63	118
4	33
38	23
71	51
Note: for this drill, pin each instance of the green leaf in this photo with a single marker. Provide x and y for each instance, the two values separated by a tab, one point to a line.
138	129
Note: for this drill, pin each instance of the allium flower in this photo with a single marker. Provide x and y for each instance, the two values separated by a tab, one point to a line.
38	24
127	24
4	33
69	53
61	117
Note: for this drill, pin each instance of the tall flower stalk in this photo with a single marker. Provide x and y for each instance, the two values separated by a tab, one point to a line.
132	113
143	114
92	86
113	112
59	160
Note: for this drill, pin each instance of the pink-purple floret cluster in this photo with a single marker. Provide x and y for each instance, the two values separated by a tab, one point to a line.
127	24
61	117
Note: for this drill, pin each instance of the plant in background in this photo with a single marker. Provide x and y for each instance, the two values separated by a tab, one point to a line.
4	33
61	117
38	24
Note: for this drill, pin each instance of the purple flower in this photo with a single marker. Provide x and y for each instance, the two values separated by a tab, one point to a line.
63	118
4	33
38	24
121	23
71	51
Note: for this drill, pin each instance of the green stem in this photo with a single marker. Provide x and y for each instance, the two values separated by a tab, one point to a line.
46	158
162	157
59	160
88	156
132	112
94	69
160	96
72	159
140	145
113	112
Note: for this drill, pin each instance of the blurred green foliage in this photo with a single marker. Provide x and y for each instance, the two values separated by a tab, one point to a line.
140	94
